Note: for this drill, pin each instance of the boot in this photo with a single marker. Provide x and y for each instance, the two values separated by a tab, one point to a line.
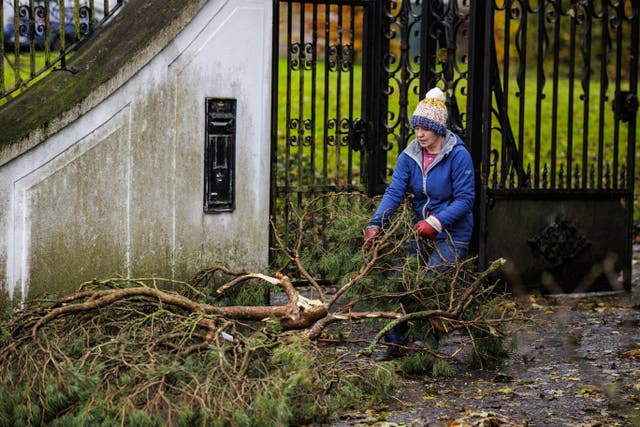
395	336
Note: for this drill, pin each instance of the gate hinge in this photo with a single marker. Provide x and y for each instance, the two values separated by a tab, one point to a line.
625	105
358	134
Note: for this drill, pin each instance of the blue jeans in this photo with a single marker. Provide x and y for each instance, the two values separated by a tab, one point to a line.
441	254
446	252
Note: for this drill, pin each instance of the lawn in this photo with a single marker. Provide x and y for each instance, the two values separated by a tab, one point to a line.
24	69
582	135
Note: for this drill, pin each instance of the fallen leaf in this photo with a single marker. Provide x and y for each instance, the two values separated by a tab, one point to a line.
384	424
589	390
482	419
431	390
634	354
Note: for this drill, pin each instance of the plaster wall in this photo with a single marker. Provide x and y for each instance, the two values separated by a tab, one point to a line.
119	191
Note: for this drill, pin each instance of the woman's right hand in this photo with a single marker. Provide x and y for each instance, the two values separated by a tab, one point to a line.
369	235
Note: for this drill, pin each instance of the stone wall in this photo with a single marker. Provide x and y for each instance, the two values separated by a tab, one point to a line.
113	186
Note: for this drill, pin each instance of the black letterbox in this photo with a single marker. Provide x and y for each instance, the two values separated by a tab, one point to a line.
219	155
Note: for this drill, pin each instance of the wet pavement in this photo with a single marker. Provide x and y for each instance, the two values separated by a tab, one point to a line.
578	364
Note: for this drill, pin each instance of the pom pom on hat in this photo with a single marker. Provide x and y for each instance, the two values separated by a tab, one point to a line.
431	112
437	94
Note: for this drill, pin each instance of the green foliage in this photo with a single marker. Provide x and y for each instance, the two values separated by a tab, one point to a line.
270	408
489	340
6	311
400	280
441	368
13	410
250	292
426	363
376	382
417	364
332	228
488	350
137	363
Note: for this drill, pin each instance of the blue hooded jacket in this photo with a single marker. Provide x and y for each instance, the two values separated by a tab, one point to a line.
445	189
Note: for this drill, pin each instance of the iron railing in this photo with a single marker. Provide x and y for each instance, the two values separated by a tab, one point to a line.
543	93
564	78
318	66
38	36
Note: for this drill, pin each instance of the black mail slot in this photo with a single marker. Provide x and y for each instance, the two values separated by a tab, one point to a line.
219	155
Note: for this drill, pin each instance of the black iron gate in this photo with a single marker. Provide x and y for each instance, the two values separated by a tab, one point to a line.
544	93
559	113
346	73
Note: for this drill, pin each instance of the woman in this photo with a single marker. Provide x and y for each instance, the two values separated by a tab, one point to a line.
437	170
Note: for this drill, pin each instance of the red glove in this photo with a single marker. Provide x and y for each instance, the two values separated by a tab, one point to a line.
369	235
425	229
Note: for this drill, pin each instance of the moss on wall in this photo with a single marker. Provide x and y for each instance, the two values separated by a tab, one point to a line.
141	29
119	191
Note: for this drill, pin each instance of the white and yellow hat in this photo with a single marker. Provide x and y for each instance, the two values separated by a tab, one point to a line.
431	112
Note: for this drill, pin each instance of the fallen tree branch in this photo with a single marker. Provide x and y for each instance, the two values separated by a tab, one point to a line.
299	313
440	314
480	280
317	328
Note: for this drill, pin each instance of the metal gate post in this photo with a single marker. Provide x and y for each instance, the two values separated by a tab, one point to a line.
479	115
633	122
374	104
273	191
428	50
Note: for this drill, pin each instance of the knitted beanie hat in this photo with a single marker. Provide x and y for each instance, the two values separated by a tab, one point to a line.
431	112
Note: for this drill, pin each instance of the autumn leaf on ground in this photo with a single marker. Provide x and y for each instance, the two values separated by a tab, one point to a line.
633	354
589	390
482	419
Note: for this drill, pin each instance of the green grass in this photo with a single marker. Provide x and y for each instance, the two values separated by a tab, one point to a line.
315	137
583	138
583	133
531	120
24	69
